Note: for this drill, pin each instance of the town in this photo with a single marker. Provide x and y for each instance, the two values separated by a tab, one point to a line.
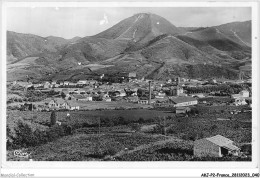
130	92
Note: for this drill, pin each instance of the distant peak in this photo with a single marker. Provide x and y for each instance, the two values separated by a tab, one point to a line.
143	14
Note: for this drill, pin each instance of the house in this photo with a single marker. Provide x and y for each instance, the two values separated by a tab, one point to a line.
66	83
134	94
239	101
234	96
161	100
72	84
244	93
54	82
106	98
82	97
82	82
216	146
182	110
198	95
132	75
47	85
160	94
183	101
57	103
169	81
53	105
73	105
143	100
122	93
133	99
64	105
29	106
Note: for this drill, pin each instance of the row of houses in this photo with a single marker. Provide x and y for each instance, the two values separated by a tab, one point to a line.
170	101
58	103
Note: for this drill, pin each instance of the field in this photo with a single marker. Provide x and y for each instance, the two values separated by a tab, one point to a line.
118	137
82	147
133	114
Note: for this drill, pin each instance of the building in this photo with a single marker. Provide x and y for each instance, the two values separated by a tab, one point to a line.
216	146
58	103
169	81
176	91
143	100
239	101
122	93
47	85
54	82
66	83
198	95
82	97
182	110
183	101
234	96
132	75
106	98
244	93
160	94
73	105
133	99
82	82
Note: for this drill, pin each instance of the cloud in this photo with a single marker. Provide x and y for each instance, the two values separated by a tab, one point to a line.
104	21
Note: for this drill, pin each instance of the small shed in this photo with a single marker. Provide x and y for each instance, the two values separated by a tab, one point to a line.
216	146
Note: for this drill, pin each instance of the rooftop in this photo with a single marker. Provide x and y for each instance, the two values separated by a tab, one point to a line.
222	142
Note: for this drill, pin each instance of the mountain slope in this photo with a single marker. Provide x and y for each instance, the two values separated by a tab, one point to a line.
144	43
22	45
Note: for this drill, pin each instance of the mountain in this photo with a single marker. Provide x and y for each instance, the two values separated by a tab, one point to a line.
145	43
22	45
136	30
140	27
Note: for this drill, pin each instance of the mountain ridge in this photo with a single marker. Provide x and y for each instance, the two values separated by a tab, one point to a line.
140	43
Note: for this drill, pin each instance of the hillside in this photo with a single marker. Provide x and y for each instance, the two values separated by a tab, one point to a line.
145	43
23	45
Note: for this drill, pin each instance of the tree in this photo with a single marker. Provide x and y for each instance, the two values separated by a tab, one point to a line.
63	95
53	118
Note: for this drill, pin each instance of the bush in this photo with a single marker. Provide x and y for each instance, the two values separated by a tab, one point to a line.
24	135
141	120
53	118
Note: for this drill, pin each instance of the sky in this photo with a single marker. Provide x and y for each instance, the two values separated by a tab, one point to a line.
68	22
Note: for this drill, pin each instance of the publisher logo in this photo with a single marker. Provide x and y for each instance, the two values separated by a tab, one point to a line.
21	154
